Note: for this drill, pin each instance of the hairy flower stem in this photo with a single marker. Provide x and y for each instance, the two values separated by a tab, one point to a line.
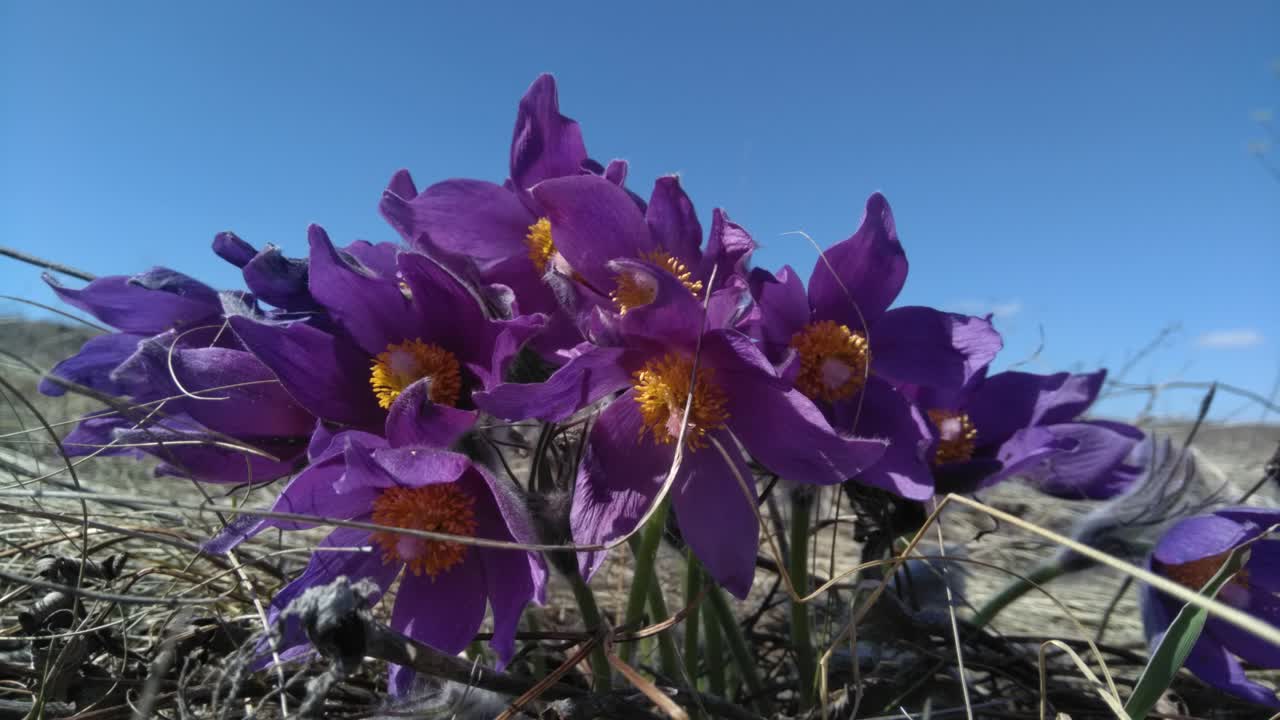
1039	575
719	606
646	552
667	653
715	646
692	586
600	670
798	568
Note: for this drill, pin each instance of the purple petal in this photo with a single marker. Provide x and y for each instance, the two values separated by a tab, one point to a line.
445	311
512	577
326	375
583	380
1199	537
1244	644
152	302
1087	469
923	346
620	474
444	611
1212	663
616	172
674	317
593	221
780	427
415	420
880	411
481	220
673	223
724	540
401	183
1027	449
384	467
1009	401
728	248
371	309
229	247
869	270
545	144
781	309
92	366
280	281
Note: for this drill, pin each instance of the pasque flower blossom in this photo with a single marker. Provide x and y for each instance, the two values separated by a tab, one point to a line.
843	346
400	482
1028	425
1191	553
649	349
387	320
189	392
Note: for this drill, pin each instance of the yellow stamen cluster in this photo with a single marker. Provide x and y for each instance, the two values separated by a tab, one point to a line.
442	508
957	436
541	247
633	289
668	262
833	360
403	364
662	389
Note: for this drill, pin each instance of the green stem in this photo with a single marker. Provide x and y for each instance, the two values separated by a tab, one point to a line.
1039	575
801	509
738	648
715	647
692	586
669	658
600	670
646	552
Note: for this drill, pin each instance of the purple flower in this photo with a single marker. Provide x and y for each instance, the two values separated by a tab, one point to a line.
1191	553
500	229
397	482
389	320
184	384
1017	423
738	399
846	349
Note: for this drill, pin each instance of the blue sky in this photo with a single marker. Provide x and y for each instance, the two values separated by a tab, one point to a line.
1084	169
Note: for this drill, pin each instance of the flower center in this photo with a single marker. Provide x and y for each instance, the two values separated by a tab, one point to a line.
1193	575
833	360
403	364
668	262
662	389
443	508
957	436
541	248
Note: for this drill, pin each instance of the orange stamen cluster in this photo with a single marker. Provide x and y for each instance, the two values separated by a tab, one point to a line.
957	436
541	247
833	360
662	388
403	364
1195	574
443	508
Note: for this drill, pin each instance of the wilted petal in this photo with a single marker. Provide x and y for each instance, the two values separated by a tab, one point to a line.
869	270
923	346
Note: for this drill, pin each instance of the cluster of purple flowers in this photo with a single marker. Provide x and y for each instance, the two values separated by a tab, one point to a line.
361	370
